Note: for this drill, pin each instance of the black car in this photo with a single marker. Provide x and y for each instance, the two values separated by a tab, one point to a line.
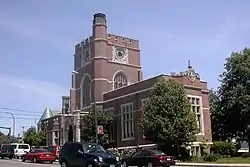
76	154
149	158
6	150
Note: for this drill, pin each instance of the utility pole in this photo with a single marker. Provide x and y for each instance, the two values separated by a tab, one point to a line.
23	130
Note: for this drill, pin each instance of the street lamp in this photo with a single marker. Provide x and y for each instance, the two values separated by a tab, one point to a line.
94	103
14	122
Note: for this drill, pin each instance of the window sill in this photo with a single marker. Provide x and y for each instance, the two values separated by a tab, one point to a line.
126	139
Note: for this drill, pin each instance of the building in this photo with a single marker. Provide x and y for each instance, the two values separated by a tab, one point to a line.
53	121
108	72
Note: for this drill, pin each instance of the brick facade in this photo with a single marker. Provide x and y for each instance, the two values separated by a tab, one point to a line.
108	71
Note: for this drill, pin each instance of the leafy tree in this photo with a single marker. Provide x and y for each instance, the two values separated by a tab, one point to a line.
217	117
234	94
89	129
5	139
167	117
34	138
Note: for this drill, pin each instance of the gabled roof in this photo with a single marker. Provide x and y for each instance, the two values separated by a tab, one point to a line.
46	114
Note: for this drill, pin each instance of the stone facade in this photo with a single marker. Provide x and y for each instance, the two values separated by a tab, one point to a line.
108	72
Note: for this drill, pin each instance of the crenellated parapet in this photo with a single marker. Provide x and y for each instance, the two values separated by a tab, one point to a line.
119	40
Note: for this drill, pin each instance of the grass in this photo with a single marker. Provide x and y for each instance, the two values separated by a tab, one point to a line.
232	160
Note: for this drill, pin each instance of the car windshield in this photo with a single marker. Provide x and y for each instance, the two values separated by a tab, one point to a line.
39	150
4	146
94	148
14	146
157	152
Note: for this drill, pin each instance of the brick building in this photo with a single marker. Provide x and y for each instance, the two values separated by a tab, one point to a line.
108	72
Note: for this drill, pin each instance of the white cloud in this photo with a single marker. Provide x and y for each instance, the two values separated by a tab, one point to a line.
26	93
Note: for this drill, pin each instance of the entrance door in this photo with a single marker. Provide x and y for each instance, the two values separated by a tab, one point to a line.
70	133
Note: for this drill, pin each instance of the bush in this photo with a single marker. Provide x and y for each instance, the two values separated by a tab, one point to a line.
210	157
223	148
245	155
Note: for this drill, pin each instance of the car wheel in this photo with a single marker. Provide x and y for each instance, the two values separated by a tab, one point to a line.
35	160
150	164
23	159
2	157
124	164
51	162
10	157
64	164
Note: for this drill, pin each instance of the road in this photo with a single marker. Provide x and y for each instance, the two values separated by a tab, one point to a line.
18	163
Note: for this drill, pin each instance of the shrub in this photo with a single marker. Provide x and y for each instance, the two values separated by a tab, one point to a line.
210	157
245	155
113	151
223	148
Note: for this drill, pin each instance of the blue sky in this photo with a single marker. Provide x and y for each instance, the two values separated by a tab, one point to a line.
37	39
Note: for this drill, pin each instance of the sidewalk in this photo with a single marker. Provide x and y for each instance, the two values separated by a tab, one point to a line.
209	164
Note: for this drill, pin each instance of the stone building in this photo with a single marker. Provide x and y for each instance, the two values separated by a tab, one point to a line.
108	72
53	122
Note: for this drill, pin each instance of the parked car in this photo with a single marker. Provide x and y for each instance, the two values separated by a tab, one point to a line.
149	158
38	155
86	154
6	150
55	150
20	149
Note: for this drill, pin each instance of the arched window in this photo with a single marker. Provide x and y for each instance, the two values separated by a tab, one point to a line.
120	80
85	91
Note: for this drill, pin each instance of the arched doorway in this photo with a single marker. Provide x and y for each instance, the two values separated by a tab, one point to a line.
70	133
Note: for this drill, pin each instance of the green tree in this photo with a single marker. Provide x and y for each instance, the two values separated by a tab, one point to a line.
89	129
34	138
217	117
234	94
5	139
167	117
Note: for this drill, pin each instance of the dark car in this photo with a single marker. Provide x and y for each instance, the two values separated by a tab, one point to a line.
149	158
39	155
6	150
76	154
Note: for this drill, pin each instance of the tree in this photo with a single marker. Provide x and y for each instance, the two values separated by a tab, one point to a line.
217	117
89	129
234	94
34	138
5	139
167	117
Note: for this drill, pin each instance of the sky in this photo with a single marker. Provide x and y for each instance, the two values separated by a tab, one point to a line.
37	41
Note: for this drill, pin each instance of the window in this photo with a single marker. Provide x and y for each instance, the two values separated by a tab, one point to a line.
136	154
120	80
127	121
146	153
85	91
196	108
110	111
23	147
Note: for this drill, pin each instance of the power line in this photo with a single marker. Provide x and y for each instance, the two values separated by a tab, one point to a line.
32	115
23	118
19	110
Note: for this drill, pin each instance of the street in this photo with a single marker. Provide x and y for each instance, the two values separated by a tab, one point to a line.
18	163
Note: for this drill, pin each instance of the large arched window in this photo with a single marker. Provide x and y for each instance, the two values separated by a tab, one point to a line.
120	80
86	91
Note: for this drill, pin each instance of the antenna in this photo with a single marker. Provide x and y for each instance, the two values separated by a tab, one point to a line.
189	64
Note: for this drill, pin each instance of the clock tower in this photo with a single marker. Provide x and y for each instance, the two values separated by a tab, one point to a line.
103	62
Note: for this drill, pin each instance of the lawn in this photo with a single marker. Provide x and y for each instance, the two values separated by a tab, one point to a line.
232	160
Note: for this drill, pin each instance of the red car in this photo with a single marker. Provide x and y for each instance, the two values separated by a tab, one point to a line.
39	155
55	150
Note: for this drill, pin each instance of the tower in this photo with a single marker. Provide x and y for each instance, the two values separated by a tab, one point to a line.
103	62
